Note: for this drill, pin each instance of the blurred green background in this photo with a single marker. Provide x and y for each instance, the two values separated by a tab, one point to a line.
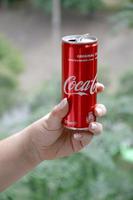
30	35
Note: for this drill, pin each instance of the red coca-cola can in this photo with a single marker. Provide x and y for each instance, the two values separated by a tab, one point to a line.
79	76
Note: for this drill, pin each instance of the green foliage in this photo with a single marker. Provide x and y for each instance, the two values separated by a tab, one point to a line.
126	83
84	6
43	99
44	4
48	94
7	3
10	68
9	57
102	171
125	15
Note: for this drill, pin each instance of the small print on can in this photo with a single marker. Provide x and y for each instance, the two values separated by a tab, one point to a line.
79	77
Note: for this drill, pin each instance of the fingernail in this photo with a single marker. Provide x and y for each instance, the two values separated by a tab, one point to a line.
77	136
99	111
104	110
102	85
93	126
62	103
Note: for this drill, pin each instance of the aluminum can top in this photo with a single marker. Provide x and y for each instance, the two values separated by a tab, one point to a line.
80	39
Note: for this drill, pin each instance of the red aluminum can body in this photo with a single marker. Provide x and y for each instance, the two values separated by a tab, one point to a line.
79	76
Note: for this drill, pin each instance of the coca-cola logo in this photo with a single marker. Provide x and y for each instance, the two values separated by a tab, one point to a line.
72	86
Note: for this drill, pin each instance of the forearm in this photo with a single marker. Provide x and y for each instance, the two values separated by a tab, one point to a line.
16	158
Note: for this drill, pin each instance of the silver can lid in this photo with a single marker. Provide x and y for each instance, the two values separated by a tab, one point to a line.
85	38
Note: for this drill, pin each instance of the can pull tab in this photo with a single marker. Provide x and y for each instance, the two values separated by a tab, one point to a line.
84	37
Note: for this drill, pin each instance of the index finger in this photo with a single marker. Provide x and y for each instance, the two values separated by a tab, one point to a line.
99	87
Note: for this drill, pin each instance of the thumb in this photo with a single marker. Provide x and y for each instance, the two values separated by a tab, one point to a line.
54	118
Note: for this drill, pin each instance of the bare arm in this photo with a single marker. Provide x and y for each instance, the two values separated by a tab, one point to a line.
46	139
16	158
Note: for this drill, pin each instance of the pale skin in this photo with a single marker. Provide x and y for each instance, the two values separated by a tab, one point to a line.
45	139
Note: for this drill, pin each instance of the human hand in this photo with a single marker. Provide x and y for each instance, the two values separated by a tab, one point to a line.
45	139
50	140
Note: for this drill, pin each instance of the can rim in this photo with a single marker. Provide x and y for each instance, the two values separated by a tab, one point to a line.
79	129
73	39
